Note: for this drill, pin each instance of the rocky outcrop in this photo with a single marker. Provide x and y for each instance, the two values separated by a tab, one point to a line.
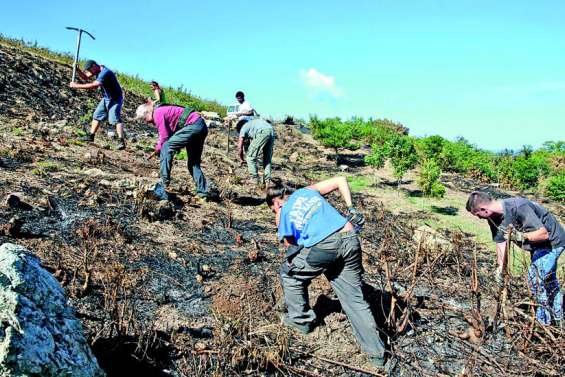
39	334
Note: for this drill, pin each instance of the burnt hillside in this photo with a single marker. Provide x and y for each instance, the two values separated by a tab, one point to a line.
189	288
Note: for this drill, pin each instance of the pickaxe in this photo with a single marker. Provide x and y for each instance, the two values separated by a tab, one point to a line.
80	31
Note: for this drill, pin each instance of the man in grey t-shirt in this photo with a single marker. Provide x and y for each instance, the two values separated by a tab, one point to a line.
262	139
535	230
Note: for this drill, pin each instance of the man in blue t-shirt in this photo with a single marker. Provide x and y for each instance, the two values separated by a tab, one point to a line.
319	240
110	106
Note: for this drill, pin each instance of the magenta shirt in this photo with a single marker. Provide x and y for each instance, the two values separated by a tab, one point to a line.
166	119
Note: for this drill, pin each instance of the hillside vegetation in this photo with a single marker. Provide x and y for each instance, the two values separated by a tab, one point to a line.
541	171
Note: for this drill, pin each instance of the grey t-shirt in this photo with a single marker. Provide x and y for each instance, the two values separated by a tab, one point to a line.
253	127
527	216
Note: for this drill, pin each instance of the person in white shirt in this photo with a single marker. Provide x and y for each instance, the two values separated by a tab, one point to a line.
245	111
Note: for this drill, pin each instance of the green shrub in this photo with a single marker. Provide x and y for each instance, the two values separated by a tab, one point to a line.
430	147
402	155
429	181
333	133
555	187
377	157
456	156
528	171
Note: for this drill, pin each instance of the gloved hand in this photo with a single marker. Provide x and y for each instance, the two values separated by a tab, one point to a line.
514	236
355	217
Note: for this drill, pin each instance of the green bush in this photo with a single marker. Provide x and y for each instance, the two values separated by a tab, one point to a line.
528	171
402	155
333	133
377	157
430	147
429	181
555	187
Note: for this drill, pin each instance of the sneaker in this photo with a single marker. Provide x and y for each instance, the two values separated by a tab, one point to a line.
89	138
121	145
160	192
377	361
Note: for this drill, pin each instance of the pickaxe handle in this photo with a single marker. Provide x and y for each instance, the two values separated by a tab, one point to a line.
79	36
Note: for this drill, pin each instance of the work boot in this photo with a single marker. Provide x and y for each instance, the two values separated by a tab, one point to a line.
377	361
89	138
121	144
304	329
160	192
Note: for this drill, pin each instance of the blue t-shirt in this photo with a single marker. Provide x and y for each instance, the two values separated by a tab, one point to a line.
309	218
110	85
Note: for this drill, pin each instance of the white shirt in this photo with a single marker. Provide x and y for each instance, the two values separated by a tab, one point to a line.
245	107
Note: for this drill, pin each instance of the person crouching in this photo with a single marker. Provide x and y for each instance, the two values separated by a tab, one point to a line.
319	240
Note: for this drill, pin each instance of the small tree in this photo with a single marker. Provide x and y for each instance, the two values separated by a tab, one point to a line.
333	133
377	157
402	155
429	181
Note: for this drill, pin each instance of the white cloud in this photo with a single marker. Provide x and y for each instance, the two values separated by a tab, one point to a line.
319	83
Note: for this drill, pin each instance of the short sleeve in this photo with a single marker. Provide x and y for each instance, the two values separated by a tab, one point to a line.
101	76
530	221
245	107
285	227
497	234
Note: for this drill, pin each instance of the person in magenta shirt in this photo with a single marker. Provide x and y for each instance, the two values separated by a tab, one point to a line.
178	127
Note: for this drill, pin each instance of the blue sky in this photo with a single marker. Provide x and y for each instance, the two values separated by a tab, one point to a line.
490	71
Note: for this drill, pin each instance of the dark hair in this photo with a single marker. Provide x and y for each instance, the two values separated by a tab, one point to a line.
154	83
276	189
89	64
476	198
239	94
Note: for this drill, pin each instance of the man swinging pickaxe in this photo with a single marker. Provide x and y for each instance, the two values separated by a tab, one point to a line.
79	36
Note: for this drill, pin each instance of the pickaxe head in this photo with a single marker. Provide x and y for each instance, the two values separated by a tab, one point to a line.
80	31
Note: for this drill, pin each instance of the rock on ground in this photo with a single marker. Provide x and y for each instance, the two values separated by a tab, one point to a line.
39	334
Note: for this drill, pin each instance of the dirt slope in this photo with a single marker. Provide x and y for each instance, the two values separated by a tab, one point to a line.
191	288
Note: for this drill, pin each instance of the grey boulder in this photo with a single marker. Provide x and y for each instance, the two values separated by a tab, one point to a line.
39	334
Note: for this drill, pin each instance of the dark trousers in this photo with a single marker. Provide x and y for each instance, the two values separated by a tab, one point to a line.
192	138
338	257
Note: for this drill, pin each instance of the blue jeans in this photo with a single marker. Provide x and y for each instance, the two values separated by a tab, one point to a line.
110	109
544	285
192	138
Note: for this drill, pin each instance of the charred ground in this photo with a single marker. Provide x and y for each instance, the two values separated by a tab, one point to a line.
191	289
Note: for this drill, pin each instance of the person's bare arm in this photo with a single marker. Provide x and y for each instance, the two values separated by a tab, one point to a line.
240	149
81	74
90	85
332	184
157	93
501	255
539	235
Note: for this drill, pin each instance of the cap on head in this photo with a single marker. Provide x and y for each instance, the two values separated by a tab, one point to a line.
89	64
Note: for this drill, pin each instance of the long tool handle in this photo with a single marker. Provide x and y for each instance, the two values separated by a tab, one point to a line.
76	56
